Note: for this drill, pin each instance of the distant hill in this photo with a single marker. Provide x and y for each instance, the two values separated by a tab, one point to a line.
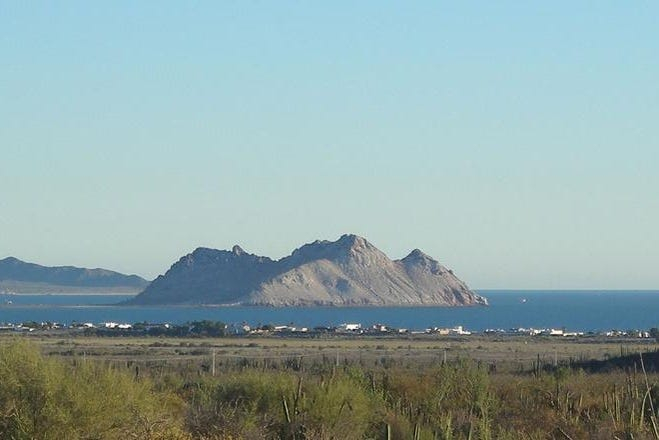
347	272
20	277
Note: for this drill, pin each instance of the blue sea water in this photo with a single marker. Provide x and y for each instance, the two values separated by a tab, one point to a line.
575	310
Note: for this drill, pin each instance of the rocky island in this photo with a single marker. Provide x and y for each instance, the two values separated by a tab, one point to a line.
347	272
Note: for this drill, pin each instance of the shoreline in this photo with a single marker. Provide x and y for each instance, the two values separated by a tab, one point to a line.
68	294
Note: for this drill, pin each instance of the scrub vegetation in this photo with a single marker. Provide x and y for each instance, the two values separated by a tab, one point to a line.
74	396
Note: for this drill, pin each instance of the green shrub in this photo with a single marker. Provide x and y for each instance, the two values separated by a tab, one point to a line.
44	398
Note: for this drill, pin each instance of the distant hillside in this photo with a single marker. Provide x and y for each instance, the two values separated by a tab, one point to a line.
21	277
349	271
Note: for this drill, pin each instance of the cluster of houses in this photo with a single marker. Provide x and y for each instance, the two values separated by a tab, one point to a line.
33	325
30	326
562	332
239	329
291	329
345	329
535	332
629	334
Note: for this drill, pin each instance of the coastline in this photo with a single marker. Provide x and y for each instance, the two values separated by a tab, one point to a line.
68	294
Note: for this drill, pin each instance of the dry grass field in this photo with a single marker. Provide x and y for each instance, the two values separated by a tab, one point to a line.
302	388
508	353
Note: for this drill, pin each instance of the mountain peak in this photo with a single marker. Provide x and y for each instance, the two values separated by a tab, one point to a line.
237	250
346	246
352	241
204	256
418	260
417	255
349	238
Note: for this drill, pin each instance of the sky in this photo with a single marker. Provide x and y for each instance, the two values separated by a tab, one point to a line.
516	142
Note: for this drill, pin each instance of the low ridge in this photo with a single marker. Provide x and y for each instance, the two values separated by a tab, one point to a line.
349	271
21	277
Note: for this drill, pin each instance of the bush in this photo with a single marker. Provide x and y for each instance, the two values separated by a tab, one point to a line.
47	399
280	405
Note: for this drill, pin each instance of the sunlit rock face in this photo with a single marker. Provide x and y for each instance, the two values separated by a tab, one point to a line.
346	272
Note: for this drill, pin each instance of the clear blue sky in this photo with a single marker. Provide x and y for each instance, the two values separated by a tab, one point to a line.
517	142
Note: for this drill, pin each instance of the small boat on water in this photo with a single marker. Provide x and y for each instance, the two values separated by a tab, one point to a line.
6	297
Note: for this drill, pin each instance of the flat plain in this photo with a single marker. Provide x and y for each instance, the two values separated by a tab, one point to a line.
425	387
510	353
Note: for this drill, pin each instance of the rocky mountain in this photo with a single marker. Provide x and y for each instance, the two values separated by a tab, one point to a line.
349	271
209	276
21	277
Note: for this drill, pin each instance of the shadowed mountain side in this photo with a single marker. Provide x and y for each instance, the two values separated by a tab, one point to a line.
21	277
209	276
349	271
